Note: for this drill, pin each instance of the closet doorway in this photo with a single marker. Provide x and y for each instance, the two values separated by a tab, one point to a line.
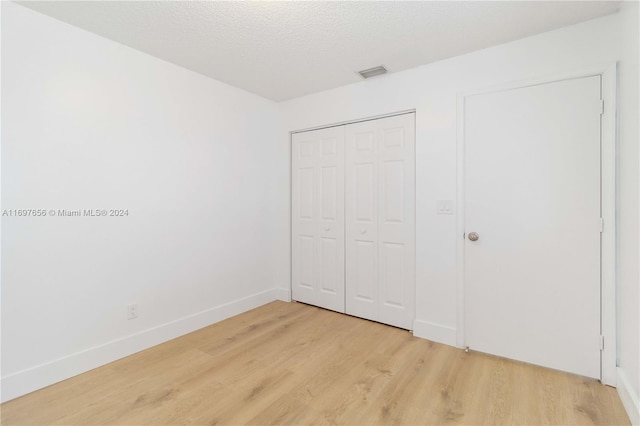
353	219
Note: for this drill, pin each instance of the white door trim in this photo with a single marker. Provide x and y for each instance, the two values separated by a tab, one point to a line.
608	73
359	120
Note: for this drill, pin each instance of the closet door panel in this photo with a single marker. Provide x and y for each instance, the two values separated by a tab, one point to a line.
396	227
303	217
318	218
330	224
361	194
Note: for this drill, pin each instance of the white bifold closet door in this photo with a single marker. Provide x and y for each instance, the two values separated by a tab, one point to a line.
353	220
380	220
318	218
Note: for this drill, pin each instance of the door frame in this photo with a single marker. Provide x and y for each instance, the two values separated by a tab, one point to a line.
608	200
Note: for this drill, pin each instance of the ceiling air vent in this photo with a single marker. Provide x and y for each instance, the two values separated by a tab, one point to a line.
372	72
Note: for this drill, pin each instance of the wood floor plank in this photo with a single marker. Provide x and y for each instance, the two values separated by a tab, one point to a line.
290	363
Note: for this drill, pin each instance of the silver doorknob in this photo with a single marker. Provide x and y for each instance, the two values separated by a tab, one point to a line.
473	236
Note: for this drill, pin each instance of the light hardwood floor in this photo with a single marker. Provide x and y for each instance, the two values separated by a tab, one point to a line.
289	363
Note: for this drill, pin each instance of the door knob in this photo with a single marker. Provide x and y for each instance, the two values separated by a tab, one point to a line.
473	236
363	231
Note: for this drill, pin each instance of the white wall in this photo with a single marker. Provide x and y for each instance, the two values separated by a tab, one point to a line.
86	124
432	91
629	280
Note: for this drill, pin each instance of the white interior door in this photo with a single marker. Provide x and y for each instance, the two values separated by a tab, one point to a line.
318	218
532	194
380	220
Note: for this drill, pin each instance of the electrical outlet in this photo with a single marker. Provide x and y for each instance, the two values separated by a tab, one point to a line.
132	311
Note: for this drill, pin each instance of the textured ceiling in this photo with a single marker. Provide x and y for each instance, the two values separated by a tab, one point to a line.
281	50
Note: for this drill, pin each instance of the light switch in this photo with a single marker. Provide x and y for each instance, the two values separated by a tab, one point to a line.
445	207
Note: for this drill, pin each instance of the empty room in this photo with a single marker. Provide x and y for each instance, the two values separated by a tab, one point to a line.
310	212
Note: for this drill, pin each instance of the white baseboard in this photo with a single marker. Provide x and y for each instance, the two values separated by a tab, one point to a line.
629	397
435	332
283	294
39	376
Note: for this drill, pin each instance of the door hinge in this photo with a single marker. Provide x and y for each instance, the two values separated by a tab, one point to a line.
601	342
601	106
601	225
